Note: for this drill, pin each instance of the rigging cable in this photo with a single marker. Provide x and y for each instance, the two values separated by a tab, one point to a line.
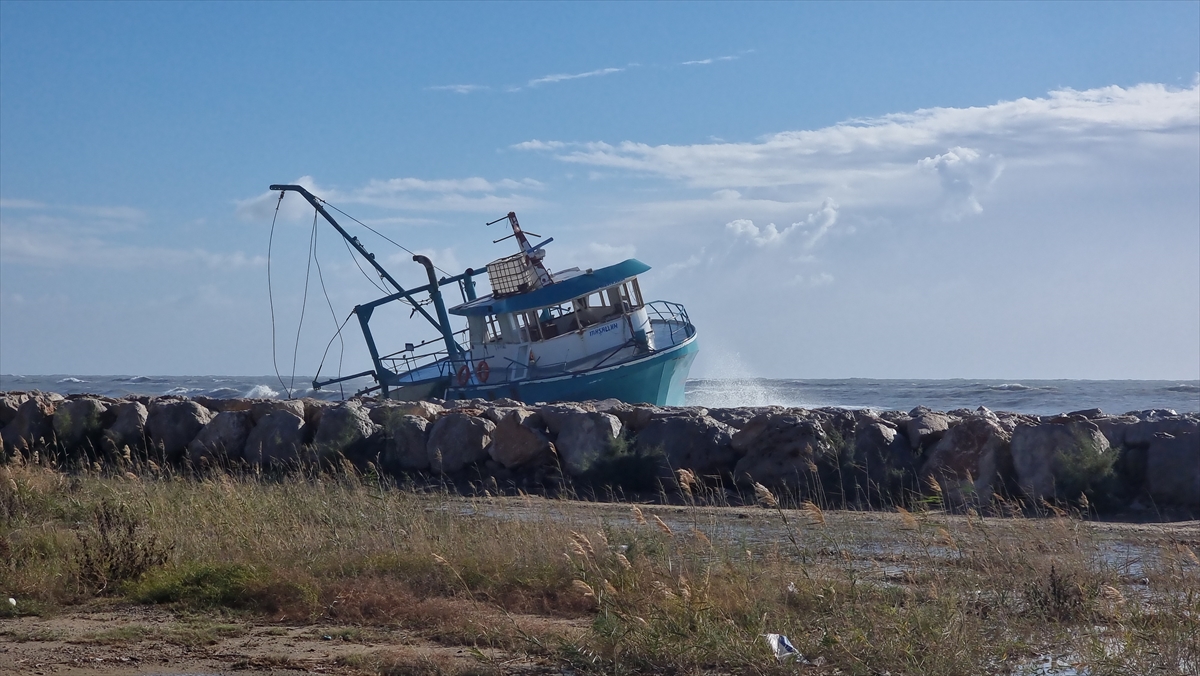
312	241
410	251
338	335
360	268
329	345
271	293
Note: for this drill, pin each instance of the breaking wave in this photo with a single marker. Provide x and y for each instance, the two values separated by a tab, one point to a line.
261	392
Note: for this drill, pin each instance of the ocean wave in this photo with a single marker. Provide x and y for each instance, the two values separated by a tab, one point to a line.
1183	388
182	391
1010	387
225	393
261	392
71	380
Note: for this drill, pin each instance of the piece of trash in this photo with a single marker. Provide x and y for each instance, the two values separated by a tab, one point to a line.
12	602
326	637
783	647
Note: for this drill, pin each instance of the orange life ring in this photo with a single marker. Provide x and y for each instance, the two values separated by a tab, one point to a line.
464	374
482	371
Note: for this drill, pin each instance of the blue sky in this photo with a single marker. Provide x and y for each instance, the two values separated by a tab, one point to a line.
834	190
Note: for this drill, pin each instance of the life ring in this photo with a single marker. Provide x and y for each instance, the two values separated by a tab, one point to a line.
482	371
464	374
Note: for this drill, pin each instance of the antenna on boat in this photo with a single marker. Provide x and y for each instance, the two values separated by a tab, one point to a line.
533	253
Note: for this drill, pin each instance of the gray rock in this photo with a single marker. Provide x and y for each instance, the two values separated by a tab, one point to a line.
80	423
277	439
458	440
780	449
554	415
516	442
343	430
584	438
33	423
693	442
883	460
171	425
1173	470
261	407
222	439
9	403
925	427
404	448
1143	432
970	460
422	409
128	429
1060	460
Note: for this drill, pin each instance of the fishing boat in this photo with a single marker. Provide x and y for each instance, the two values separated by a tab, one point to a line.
539	336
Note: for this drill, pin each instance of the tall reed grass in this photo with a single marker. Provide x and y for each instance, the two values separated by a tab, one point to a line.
611	588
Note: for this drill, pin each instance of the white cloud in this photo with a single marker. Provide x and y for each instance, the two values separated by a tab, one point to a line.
705	62
850	159
814	227
562	77
964	173
471	194
460	88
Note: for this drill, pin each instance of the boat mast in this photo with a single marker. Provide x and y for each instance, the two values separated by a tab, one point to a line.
533	253
442	323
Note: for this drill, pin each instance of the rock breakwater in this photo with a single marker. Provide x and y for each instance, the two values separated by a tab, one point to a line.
1141	460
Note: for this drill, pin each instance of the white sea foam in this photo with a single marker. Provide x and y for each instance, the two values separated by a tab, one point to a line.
72	380
262	392
182	391
1011	387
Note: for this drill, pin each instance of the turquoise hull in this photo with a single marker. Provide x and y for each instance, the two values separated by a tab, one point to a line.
655	379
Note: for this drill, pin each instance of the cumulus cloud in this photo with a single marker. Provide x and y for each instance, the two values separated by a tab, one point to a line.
964	173
880	159
814	227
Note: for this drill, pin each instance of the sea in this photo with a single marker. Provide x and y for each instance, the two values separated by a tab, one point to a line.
1038	397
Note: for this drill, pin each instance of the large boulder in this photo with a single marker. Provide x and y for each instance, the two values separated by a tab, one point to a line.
32	426
427	410
223	439
882	461
585	438
9	403
926	427
694	442
1173	469
80	423
344	430
128	429
403	439
1143	432
458	440
1062	460
277	439
782	450
517	441
172	424
970	460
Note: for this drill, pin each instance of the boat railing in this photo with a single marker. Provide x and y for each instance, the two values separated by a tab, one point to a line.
412	364
675	317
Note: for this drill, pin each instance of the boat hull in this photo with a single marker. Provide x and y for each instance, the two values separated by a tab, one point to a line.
657	379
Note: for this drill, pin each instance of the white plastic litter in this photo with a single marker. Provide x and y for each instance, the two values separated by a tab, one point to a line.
783	647
12	602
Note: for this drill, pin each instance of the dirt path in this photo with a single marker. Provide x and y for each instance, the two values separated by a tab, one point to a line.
104	639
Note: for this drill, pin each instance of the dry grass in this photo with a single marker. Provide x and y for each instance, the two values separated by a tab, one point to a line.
608	588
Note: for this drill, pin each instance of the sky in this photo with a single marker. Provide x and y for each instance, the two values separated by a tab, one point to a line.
879	190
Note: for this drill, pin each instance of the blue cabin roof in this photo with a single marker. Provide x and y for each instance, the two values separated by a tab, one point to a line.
559	292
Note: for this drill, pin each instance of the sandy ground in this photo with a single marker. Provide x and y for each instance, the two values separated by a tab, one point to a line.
104	639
